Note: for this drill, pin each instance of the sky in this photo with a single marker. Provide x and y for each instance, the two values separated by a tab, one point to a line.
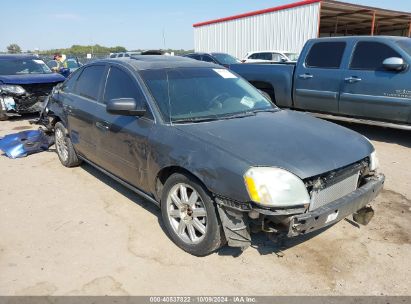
47	24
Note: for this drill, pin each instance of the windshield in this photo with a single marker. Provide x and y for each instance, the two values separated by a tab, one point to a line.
72	64
225	58
292	56
405	45
23	66
195	94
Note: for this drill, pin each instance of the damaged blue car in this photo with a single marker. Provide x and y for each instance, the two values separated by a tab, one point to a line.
25	82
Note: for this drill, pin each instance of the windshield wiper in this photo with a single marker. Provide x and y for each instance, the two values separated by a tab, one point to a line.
266	110
195	119
239	115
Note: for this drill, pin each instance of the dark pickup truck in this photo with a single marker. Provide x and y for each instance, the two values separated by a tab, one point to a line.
359	79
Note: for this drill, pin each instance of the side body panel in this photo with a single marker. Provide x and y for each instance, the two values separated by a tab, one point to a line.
278	76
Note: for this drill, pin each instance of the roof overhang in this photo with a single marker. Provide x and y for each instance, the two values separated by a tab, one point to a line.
334	14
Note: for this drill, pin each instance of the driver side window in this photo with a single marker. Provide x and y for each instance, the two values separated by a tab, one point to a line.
120	85
370	55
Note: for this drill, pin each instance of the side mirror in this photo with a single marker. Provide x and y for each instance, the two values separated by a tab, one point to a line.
126	106
394	64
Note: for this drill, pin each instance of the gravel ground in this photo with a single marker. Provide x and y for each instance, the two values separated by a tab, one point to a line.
77	232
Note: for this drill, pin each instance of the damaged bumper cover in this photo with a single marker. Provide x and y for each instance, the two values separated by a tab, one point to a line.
236	217
337	210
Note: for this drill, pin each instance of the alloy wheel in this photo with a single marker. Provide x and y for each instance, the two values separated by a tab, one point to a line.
187	213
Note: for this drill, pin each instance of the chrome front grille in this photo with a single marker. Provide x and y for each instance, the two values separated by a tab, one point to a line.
334	192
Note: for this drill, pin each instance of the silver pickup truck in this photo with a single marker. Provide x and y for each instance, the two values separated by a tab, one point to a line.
361	79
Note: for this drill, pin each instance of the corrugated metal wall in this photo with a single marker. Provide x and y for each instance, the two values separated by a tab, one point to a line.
286	30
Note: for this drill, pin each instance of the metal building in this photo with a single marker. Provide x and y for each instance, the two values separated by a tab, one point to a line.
289	26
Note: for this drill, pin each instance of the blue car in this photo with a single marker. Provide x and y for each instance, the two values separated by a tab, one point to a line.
25	82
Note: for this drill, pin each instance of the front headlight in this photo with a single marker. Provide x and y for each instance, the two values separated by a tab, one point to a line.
374	162
12	89
274	187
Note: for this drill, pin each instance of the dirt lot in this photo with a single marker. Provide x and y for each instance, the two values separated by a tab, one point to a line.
75	231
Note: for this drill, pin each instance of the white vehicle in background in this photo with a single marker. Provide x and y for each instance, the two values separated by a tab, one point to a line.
270	56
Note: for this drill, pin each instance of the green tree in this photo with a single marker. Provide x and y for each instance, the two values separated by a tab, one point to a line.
14	48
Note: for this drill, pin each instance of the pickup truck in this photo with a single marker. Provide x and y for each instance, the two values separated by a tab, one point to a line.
360	79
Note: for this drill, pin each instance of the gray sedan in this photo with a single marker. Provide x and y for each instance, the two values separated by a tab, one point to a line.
211	151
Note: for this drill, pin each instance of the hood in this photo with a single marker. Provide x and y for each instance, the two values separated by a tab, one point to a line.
297	142
31	78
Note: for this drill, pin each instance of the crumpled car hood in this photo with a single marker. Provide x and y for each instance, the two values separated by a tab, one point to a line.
297	142
31	78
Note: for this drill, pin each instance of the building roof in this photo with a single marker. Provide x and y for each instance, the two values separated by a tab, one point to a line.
338	9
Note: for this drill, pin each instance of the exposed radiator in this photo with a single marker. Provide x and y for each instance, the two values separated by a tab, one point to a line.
334	192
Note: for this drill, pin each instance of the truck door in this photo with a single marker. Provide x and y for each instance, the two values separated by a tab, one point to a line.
317	80
371	91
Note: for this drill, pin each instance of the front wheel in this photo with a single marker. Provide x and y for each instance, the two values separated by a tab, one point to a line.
190	216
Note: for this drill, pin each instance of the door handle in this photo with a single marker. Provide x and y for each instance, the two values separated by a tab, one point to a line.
352	79
102	126
305	76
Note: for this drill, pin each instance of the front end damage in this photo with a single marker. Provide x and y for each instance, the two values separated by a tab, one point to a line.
24	98
333	197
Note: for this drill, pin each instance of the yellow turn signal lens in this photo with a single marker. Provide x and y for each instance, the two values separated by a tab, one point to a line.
252	189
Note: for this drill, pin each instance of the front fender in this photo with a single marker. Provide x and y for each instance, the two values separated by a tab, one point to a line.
222	174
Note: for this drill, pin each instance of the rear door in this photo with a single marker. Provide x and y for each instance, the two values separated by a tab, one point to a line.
317	80
369	90
80	106
122	140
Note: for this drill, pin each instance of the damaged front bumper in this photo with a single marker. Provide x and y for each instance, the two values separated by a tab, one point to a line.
14	106
237	219
337	210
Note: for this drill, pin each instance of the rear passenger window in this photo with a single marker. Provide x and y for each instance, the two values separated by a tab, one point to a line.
326	55
89	81
121	85
207	59
370	55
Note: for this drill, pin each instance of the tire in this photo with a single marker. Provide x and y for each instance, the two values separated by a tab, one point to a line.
187	233
64	147
3	115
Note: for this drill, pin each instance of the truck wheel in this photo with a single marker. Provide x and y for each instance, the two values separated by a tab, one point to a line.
3	115
64	147
190	216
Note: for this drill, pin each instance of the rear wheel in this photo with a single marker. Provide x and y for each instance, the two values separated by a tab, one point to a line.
190	216
64	147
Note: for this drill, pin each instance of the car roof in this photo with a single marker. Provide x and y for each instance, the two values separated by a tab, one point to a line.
18	56
364	38
197	53
270	51
152	62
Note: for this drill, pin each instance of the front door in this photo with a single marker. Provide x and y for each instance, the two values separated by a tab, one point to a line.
317	80
122	140
372	92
